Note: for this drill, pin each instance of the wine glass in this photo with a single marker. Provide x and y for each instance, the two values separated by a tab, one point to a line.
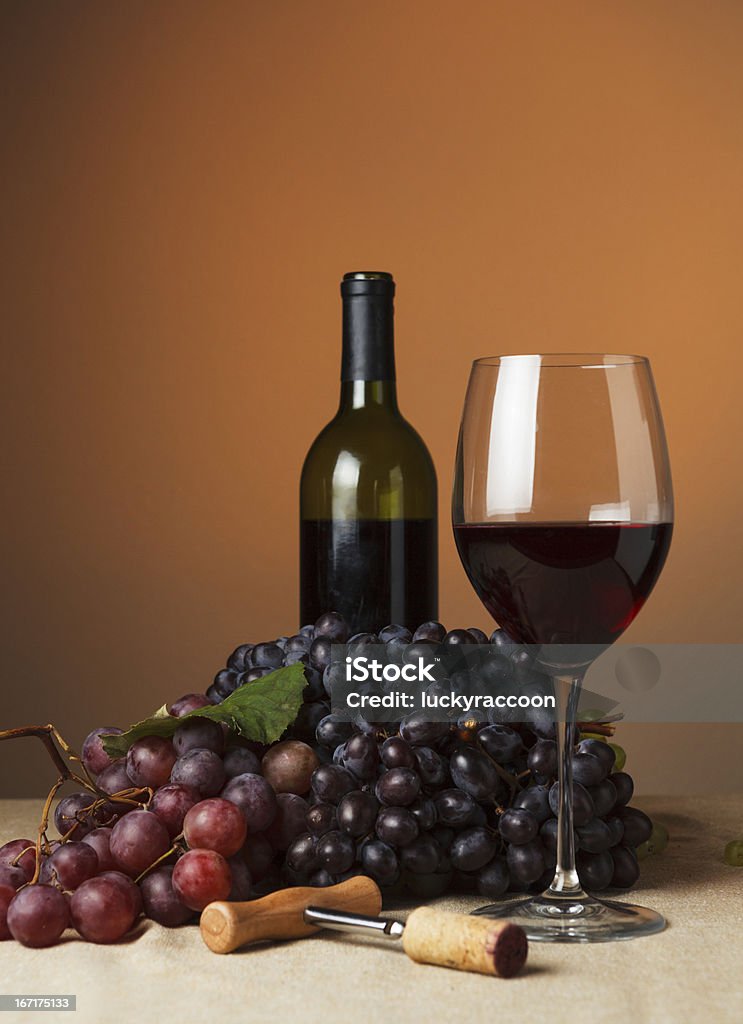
562	513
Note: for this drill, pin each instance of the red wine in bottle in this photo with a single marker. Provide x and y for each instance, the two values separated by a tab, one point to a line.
368	519
572	583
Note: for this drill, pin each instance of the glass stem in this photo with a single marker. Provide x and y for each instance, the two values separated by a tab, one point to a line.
567	693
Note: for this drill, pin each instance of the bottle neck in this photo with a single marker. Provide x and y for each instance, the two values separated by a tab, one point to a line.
368	362
368	331
360	394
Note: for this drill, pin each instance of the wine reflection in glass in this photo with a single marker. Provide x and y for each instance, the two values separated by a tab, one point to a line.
562	513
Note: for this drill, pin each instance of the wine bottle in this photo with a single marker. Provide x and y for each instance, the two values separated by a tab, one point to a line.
368	531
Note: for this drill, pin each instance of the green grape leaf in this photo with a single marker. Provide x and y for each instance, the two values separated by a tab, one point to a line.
260	711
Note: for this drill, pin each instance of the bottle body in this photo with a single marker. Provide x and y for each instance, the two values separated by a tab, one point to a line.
368	503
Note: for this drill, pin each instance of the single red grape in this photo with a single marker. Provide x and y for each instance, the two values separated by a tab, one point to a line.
94	756
73	815
128	887
137	841
255	798
188	702
149	761
102	910
215	824
200	877
38	915
115	779
198	733
19	853
100	840
70	865
161	903
201	768
171	803
288	766
239	760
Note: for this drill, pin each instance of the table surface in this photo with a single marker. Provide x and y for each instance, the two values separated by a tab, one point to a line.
691	972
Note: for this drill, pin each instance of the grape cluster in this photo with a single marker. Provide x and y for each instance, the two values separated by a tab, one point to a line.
471	807
117	857
421	806
430	806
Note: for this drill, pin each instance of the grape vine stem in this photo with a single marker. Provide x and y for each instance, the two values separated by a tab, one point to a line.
53	741
599	728
173	849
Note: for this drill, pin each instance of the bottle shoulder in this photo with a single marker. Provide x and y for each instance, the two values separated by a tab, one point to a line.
369	434
368	465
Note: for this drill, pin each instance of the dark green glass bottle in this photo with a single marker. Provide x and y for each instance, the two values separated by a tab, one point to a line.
368	532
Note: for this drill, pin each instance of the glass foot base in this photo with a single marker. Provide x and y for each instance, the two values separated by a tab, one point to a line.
577	918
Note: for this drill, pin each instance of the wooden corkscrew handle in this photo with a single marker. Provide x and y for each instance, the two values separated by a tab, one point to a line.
226	926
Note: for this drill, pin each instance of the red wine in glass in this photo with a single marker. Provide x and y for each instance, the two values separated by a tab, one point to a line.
567	583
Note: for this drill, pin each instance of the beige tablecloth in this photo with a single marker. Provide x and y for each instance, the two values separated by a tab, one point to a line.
690	973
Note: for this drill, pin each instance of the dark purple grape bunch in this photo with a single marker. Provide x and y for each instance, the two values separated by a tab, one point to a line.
469	804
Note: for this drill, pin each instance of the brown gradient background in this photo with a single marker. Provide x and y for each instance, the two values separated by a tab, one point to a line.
183	185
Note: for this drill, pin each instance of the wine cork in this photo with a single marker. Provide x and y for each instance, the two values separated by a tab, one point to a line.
464	942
